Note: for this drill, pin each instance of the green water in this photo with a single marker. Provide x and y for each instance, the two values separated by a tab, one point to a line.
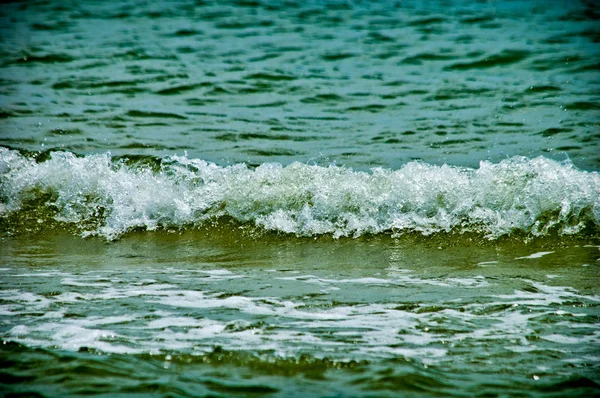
309	199
224	313
362	84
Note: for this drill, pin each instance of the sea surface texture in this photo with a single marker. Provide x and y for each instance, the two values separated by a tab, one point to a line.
300	199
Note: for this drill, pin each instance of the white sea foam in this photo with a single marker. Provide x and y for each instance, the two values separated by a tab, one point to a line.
106	198
169	317
396	279
534	255
558	338
73	282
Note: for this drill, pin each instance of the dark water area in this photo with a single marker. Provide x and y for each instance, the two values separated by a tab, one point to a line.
300	199
218	374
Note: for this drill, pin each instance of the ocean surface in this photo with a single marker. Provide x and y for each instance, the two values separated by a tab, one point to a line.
300	199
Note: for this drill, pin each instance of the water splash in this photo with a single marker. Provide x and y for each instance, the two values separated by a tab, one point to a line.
102	196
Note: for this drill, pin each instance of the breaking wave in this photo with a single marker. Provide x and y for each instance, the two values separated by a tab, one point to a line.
99	195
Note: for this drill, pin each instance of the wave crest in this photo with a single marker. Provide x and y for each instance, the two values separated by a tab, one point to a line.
102	196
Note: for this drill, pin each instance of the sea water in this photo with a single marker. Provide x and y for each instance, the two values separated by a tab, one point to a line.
279	198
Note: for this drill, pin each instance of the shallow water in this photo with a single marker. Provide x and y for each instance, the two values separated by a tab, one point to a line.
282	199
202	313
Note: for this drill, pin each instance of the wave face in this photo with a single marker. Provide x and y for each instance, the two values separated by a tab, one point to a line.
101	196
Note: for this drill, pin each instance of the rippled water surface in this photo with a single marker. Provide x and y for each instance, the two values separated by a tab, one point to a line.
318	198
215	313
364	84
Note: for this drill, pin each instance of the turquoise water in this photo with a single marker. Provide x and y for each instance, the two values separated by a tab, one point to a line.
361	84
335	199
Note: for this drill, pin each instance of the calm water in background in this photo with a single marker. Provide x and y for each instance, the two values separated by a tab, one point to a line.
300	199
367	84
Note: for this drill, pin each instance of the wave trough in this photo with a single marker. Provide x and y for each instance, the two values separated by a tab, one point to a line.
102	196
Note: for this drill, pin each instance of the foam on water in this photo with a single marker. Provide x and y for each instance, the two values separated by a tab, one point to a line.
171	318
99	196
534	255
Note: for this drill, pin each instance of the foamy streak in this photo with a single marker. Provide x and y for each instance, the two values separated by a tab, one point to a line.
518	194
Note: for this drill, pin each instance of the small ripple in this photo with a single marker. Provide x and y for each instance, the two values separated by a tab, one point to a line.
322	98
542	89
56	26
231	137
506	57
200	102
583	106
377	37
426	21
140	54
44	59
236	24
587	68
60	131
443	144
583	385
459	93
92	82
181	89
264	57
477	19
412	381
336	56
239	389
419	58
554	130
186	33
270	76
372	108
274	104
273	152
149	114
142	145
